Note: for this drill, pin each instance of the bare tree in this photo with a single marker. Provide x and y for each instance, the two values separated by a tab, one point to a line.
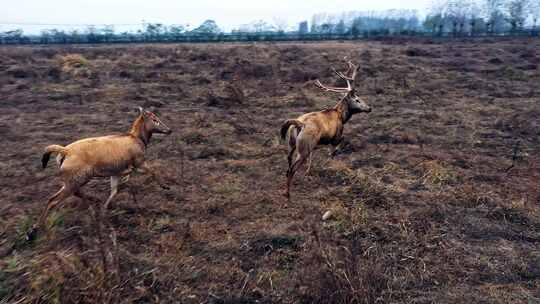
45	36
316	22
340	27
493	13
474	16
91	33
154	31
437	16
12	35
108	32
208	27
280	24
516	13
257	26
175	31
457	11
534	10
356	27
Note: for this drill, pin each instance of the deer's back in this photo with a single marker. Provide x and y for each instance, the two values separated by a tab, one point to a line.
105	155
325	125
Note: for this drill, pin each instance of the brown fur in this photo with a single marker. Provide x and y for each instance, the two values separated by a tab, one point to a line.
287	124
112	156
320	128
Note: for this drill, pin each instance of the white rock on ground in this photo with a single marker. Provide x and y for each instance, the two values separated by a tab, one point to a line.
327	215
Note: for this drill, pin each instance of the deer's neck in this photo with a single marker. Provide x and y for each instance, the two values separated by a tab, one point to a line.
139	131
344	112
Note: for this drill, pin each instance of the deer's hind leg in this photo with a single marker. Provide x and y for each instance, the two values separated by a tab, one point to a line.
310	157
66	191
54	200
293	133
304	152
292	170
304	147
290	156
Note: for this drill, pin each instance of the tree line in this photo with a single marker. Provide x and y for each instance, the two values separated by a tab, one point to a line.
461	17
444	18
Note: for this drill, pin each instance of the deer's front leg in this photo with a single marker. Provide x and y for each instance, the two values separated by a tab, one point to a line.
125	175
143	168
336	146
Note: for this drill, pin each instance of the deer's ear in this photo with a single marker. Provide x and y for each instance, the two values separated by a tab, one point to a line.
140	110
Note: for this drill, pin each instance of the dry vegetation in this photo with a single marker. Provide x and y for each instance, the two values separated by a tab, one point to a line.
427	205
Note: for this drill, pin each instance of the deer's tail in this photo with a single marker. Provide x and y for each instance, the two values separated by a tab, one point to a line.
49	150
287	124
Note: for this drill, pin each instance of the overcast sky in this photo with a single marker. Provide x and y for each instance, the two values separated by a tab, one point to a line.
228	13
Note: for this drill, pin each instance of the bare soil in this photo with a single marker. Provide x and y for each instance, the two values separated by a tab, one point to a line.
435	197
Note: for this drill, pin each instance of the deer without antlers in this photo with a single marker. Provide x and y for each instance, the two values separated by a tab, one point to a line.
324	127
113	156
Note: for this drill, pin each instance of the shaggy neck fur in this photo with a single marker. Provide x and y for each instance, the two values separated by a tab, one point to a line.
139	130
343	109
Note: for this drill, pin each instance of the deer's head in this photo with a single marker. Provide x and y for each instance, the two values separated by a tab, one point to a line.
351	100
152	123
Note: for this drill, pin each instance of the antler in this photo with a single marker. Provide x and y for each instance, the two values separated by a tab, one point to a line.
348	79
332	89
352	67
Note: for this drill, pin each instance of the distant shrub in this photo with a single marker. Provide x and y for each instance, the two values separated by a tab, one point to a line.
73	61
74	64
201	80
495	61
20	72
527	67
418	52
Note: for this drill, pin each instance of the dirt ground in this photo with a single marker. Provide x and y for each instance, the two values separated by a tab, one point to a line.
435	197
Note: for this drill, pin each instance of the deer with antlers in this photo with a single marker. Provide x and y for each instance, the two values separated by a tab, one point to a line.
323	127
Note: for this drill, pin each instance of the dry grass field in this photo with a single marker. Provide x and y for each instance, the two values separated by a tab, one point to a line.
435	196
